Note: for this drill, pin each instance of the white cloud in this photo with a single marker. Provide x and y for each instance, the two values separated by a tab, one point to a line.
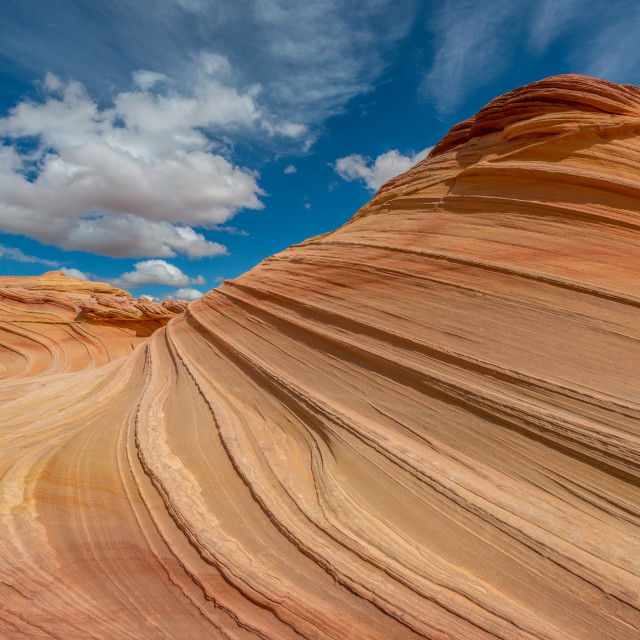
291	129
133	236
145	80
290	169
15	254
215	63
154	272
74	273
311	58
187	294
374	173
550	19
233	231
52	83
142	168
472	41
316	56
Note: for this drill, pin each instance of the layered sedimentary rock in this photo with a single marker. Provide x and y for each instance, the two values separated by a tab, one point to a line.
54	324
422	425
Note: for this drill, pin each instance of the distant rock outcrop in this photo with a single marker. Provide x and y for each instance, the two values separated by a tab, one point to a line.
425	424
53	323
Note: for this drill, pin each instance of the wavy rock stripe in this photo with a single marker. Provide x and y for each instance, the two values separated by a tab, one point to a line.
53	324
424	424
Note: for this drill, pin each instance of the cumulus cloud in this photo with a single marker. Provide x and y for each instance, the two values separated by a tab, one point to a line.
374	173
187	294
74	273
17	255
290	169
311	58
154	272
133	236
135	178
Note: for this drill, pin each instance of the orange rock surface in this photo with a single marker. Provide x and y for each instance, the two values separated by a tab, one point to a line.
54	324
422	425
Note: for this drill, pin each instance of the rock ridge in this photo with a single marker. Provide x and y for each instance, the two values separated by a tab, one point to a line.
424	424
59	324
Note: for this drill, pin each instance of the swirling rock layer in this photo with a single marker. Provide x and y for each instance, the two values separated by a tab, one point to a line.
53	324
424	424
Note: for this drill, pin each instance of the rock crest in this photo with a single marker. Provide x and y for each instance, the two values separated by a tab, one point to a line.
424	424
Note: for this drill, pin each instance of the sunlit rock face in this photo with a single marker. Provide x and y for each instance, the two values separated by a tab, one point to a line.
53	324
424	424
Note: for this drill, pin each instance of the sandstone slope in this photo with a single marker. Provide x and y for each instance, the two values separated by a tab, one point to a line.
422	425
54	324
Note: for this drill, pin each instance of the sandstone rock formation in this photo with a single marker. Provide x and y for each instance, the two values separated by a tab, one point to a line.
422	425
53	324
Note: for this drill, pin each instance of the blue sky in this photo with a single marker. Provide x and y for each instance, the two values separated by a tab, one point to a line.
165	145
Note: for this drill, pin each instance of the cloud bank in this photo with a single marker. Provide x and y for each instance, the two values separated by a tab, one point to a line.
134	178
310	58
